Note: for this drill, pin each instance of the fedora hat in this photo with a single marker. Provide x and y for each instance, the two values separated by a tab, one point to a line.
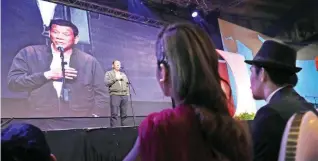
276	55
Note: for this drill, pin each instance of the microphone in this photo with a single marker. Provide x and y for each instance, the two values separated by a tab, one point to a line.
60	48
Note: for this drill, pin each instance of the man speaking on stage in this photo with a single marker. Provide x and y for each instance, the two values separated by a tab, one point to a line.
118	87
38	70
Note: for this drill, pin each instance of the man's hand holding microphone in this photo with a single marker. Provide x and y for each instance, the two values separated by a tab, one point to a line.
57	73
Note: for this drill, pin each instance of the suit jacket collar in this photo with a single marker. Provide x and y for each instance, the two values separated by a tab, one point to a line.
273	93
290	95
283	93
74	59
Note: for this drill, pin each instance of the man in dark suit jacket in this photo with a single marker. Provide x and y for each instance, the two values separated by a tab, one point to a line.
37	70
273	76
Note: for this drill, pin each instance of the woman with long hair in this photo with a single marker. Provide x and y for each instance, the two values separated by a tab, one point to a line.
200	127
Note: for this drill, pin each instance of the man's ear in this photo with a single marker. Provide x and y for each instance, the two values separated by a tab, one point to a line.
76	39
263	75
163	73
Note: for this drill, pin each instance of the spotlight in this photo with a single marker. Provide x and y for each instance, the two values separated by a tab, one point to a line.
194	14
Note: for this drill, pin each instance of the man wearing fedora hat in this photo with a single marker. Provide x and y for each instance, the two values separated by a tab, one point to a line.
273	76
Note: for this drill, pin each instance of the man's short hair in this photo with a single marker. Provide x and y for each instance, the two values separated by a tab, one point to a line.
115	61
24	142
62	22
279	77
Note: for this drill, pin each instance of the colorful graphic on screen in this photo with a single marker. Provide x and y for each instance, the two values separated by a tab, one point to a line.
246	42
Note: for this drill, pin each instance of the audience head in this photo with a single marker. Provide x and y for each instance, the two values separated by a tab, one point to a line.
188	67
24	142
188	72
273	66
262	77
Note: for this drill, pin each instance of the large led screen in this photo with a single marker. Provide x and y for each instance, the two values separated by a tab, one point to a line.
27	53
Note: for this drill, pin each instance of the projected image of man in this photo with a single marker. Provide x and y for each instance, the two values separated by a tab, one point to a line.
37	70
118	87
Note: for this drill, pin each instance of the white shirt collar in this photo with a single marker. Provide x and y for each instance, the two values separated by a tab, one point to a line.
272	94
54	52
57	54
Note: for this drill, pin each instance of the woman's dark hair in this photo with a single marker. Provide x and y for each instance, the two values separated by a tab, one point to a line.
192	61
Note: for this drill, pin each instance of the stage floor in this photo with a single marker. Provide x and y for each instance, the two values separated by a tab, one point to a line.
18	108
49	124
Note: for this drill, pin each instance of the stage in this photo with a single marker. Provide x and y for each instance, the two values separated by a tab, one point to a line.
99	144
91	139
83	138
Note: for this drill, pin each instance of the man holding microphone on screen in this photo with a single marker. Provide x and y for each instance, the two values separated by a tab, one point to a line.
37	70
118	87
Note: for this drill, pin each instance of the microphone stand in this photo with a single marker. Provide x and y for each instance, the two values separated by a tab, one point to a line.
7	122
64	92
131	105
173	103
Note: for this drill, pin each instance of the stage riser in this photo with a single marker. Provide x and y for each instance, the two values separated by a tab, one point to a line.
49	124
89	144
110	144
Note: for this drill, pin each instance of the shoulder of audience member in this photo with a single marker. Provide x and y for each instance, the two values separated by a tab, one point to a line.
267	111
168	117
286	107
154	122
157	117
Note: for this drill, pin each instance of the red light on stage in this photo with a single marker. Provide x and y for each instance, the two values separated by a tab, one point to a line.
316	63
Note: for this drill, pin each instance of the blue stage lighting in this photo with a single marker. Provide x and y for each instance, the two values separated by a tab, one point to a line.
194	14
